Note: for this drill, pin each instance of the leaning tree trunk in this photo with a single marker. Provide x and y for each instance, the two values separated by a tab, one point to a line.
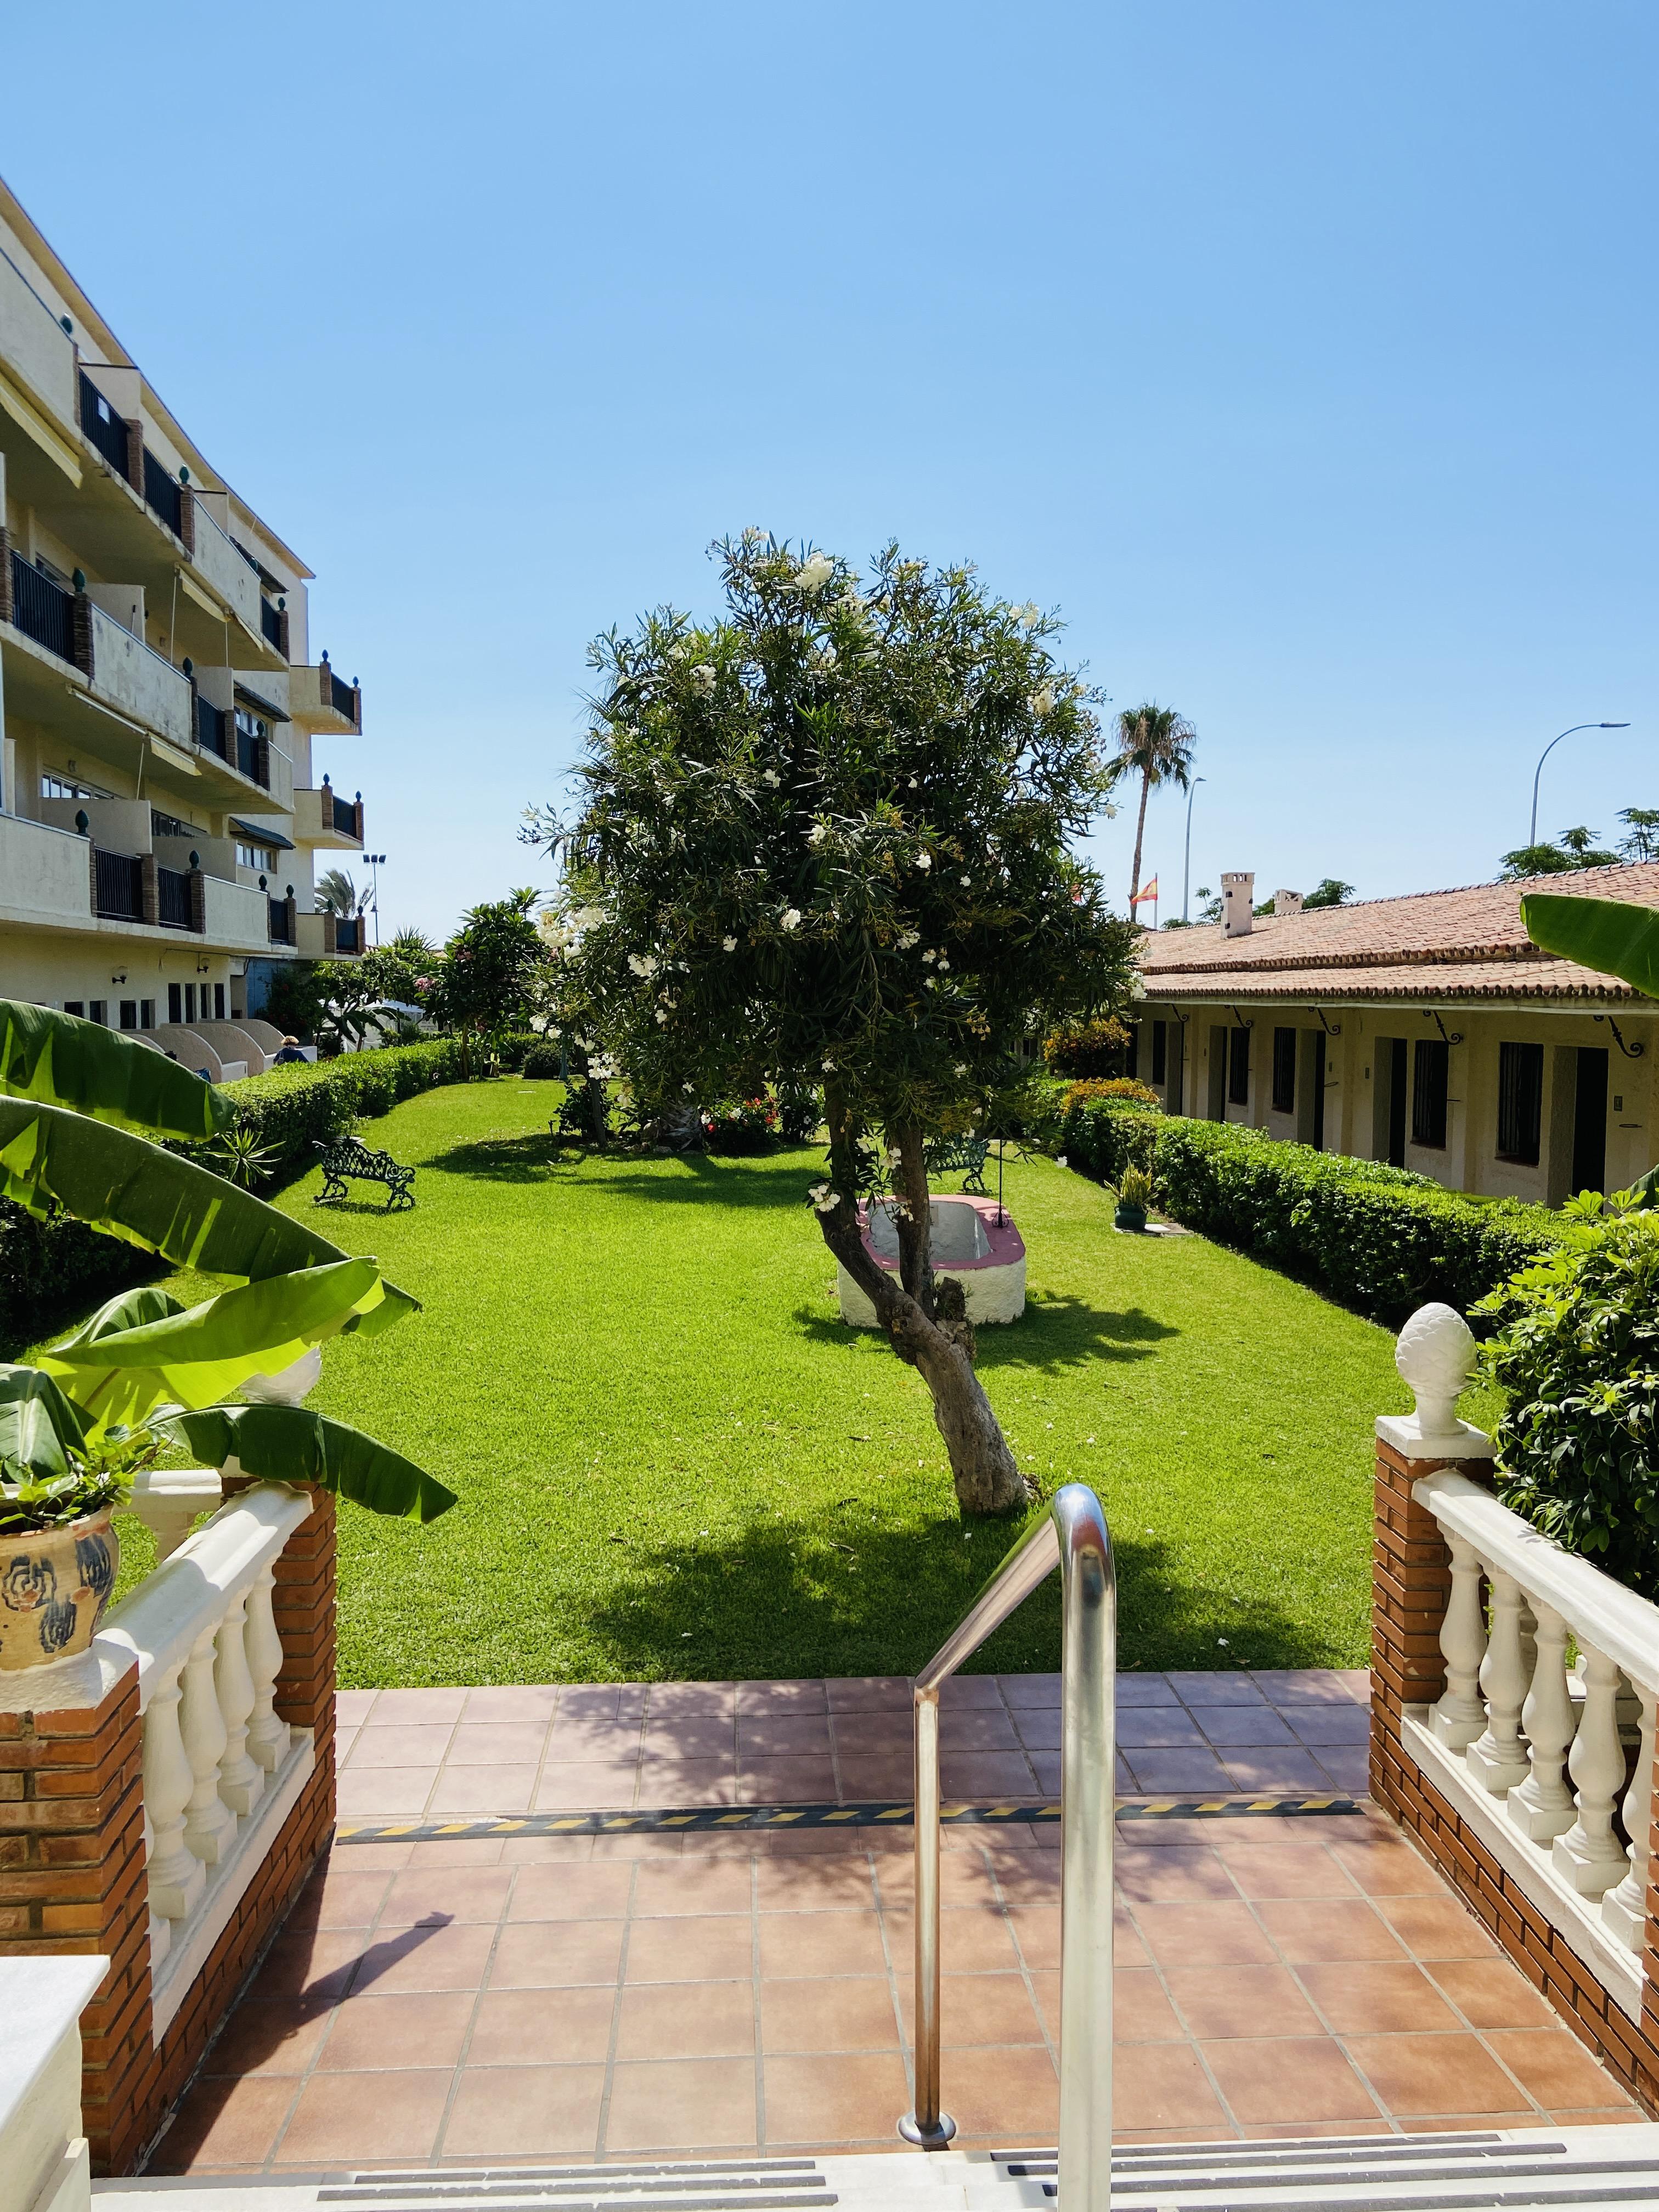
926	1323
1140	832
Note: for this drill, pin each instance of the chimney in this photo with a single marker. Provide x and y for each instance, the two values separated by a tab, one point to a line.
1287	902
1237	892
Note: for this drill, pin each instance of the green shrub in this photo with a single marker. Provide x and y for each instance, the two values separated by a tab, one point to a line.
743	1125
513	1051
55	1271
1576	1350
541	1062
1371	1236
1124	1087
1083	1048
290	1110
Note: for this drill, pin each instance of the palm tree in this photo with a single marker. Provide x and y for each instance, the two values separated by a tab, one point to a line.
338	894
1156	743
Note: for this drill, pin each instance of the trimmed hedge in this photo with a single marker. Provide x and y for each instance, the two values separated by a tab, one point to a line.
1373	1237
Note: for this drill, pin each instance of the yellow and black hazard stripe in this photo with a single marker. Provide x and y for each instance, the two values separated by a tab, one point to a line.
690	1819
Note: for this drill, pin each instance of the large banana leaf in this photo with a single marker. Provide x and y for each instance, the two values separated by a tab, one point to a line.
61	1061
132	1190
143	1349
288	1444
39	1427
1610	935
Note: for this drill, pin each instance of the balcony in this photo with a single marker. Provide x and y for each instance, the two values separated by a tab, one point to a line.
281	920
43	610
237	917
327	937
37	421
322	818
110	433
44	875
134	677
163	495
173	902
221	579
319	701
273	628
117	885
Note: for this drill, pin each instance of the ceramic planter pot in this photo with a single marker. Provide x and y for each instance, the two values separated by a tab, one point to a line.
54	1585
1129	1217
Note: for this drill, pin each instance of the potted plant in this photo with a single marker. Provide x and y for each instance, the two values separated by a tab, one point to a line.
1134	1196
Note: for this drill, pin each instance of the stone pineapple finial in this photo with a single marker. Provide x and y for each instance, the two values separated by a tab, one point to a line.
1436	1356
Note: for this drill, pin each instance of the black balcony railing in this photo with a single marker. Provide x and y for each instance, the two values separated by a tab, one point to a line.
271	621
173	896
163	495
343	697
348	934
212	729
345	818
106	428
42	610
281	930
253	758
121	881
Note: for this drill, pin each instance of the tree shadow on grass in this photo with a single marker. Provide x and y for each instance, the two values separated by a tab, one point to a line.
538	1157
1052	1333
529	1158
846	1595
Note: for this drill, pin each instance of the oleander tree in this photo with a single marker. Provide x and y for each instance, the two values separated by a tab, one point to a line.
829	839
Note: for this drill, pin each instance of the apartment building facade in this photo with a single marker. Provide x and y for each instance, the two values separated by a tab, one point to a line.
164	807
1428	1031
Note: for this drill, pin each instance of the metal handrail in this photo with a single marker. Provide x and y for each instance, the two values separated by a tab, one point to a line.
1074	1537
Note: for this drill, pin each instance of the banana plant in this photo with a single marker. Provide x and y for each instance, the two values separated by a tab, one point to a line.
74	1098
1612	936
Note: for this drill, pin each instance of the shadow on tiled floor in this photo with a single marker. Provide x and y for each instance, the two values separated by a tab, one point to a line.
581	1997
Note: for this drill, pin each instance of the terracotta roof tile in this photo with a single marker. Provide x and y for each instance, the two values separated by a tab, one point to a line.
1458	944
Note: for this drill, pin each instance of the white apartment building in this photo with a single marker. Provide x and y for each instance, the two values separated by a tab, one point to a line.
1428	1030
164	720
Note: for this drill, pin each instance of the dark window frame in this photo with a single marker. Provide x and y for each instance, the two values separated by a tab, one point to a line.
1520	1104
1238	1068
1286	1043
1160	1052
1430	1085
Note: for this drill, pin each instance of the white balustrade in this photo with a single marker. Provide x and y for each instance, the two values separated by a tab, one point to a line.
1548	1760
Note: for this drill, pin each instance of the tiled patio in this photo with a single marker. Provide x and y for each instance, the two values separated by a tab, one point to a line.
409	1752
577	1996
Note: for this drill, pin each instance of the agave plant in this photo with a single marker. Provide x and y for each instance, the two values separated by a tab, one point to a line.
80	1107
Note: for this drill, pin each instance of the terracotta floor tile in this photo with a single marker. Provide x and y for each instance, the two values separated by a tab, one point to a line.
864	1735
977	1727
589	1786
225	2123
483	1790
344	2118
691	1735
865	1779
986	1774
427	1956
1203	1936
373	1859
582	1738
802	1697
1174	1877
1437	1928
1039	1728
687	2019
847	2096
317	1965
1437	2123
563	1848
1620	2116
542	2027
1198	1773
782	1736
366	1793
1306	1872
280	2038
1330	1724
680	1700
497	1743
351	1707
1384	1866
870	1693
962	1690
1158	1728
1161	2085
455	1893
976	2009
456	1852
1426	2074
681	2104
981	1939
1227	1726
818	1883
339	1898
417	1708
1554	2067
1333	1930
1141	2012
786	1781
571	1892
1134	1689
516	1702
1286	1771
1223	1688
1223	2001
1029	1690
526	2112
853	2012
399	1746
1279	2079
797	1946
1361	2000
1491	1993
371	2033
692	1948
685	1782
552	1955
1303	1685
710	1885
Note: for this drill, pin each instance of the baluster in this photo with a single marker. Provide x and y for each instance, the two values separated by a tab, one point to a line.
267	1736
1589	1855
209	1824
241	1782
1459	1715
1497	1759
1542	1806
1625	1910
176	1877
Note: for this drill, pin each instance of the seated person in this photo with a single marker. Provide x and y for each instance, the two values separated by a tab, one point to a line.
289	1054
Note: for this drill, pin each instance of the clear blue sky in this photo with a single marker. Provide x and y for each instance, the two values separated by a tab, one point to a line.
1302	352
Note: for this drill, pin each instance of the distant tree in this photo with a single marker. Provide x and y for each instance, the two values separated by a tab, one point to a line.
401	969
1329	890
1156	743
486	981
1643	841
1210	908
337	893
1574	848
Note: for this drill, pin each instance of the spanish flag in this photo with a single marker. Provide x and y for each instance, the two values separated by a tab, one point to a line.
1146	891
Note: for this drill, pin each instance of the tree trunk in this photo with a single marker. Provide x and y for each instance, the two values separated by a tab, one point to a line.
1140	831
924	1323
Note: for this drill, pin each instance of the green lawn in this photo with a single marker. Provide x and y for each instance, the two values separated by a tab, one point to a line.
674	1461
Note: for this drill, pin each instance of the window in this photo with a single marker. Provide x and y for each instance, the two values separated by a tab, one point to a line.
1284	1071
98	1011
1520	1102
257	856
190	1002
1131	1056
1238	1068
218	1002
251	725
129	1014
76	1006
65	787
146	1013
175	1002
1160	1051
169	825
1429	1095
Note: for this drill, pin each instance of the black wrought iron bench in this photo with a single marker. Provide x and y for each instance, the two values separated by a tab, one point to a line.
945	1155
349	1158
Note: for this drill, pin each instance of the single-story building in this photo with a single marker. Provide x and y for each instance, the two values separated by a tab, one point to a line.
1427	1031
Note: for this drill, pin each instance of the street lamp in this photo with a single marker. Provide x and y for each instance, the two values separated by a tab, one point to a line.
1532	834
1186	868
375	862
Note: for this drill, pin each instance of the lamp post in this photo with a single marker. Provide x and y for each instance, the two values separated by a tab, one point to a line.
1187	866
1531	833
375	862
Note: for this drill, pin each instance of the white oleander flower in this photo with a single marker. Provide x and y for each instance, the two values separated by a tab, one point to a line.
825	1199
828	1066
814	573
943	964
913	784
642	963
924	861
539	1023
792	917
966	882
704	676
1041	701
728	943
817	833
661	1015
1060	1159
929	957
754	535
587	917
907	937
685	1086
769	776
962	1068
